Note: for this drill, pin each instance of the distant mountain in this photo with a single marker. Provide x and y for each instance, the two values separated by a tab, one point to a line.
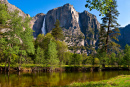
124	38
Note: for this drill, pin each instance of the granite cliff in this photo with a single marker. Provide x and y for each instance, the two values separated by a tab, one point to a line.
37	23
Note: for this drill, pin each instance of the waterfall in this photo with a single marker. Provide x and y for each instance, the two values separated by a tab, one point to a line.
44	27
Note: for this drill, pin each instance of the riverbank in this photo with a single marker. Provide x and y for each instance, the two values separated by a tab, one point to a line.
68	68
120	81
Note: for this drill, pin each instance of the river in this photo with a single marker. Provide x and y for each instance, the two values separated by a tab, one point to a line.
54	79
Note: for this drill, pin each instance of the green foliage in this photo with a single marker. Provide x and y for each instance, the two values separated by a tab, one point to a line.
62	49
76	59
103	57
99	5
4	15
17	41
120	58
111	34
68	57
39	56
57	31
27	37
126	58
52	54
96	61
112	58
39	40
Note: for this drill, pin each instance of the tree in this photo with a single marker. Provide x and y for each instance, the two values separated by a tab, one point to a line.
111	26
127	55
112	58
12	36
17	38
84	58
102	40
62	49
26	37
57	31
76	59
52	59
120	59
39	56
109	8
103	57
68	57
4	15
39	40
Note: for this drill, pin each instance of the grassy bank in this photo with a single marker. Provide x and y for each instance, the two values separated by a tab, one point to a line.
38	67
120	81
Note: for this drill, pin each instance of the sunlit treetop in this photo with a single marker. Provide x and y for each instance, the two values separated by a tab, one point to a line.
100	5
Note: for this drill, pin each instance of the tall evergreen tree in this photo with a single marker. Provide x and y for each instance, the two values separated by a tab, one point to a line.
111	26
127	55
57	31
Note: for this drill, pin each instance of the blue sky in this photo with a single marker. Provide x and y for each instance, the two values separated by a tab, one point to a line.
33	7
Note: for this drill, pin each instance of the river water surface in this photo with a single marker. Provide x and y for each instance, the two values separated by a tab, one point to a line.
54	79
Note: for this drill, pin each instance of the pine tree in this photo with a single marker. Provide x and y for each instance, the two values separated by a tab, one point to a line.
57	31
111	26
102	39
126	57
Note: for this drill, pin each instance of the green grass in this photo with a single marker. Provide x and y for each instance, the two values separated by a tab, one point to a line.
120	81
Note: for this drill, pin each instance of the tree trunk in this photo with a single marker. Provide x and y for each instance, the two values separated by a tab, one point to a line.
20	63
9	64
108	30
6	64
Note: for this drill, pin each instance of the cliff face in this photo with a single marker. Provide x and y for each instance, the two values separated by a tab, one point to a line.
13	8
67	16
90	27
80	29
37	23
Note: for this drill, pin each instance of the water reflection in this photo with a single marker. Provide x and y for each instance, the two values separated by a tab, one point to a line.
54	79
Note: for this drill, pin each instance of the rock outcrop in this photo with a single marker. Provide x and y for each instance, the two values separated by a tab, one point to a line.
36	24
